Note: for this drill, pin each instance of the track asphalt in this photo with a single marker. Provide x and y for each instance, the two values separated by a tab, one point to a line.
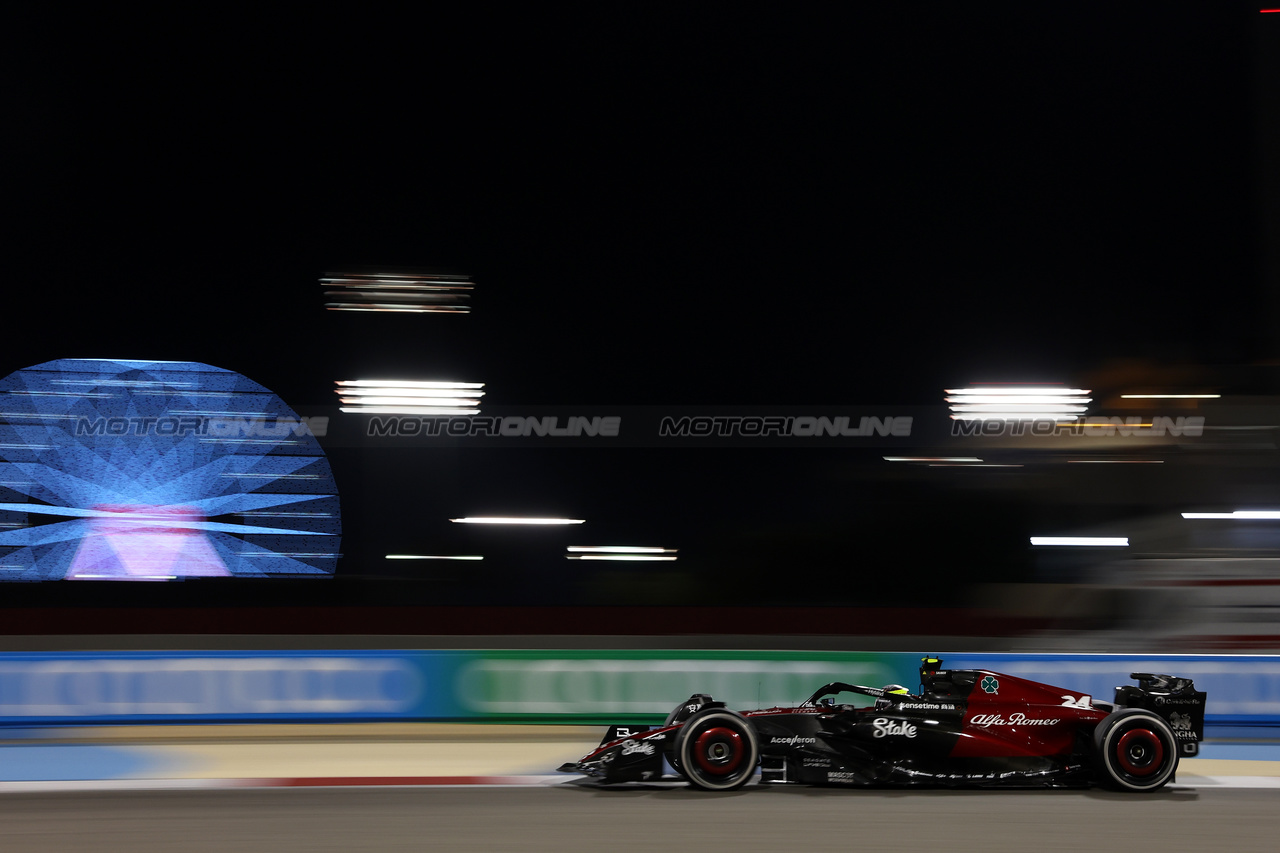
387	754
568	818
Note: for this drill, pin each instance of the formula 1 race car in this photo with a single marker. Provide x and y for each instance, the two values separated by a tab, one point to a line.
966	728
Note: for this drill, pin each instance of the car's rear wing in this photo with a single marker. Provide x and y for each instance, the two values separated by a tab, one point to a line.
1175	700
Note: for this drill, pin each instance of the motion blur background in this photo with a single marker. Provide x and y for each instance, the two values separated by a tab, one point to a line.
794	212
707	211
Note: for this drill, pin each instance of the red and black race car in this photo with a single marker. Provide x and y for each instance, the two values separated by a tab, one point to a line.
966	728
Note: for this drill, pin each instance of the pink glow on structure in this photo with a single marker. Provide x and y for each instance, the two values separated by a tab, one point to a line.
145	543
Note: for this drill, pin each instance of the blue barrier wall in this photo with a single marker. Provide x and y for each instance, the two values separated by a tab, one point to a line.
222	686
537	686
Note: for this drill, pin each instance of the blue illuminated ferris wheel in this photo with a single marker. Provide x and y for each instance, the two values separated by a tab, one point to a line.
157	470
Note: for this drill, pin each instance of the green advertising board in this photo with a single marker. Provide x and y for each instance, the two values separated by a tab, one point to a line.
644	686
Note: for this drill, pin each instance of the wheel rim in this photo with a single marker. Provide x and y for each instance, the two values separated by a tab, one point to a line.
718	751
1140	752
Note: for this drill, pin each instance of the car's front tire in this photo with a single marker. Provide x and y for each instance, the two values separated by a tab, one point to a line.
1136	750
717	750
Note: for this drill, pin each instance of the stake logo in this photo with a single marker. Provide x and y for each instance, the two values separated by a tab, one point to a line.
884	727
631	747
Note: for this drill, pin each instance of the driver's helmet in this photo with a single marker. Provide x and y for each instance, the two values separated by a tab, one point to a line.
891	692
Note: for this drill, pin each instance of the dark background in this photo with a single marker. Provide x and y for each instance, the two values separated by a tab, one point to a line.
729	204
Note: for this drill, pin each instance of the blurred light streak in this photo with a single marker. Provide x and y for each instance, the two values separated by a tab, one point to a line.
1246	514
393	291
124	383
511	520
271	441
1020	408
420	402
205	393
1025	402
1082	541
255	513
931	459
434	557
130	577
635	558
978	465
991	390
1170	396
409	282
1014	416
1116	461
621	553
328	555
405	410
408	397
406	383
620	549
65	394
406	387
395	306
403	292
409	392
1003	400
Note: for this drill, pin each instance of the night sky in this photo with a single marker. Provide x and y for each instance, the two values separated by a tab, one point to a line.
729	204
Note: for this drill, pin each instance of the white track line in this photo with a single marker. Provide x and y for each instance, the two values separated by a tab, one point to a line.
1190	781
59	785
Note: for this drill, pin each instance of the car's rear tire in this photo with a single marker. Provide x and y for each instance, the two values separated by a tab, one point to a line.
1136	750
717	750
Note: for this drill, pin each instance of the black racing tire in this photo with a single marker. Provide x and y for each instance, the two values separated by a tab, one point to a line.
1135	750
717	750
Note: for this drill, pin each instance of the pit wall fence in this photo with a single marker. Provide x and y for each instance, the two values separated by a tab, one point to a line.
539	686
